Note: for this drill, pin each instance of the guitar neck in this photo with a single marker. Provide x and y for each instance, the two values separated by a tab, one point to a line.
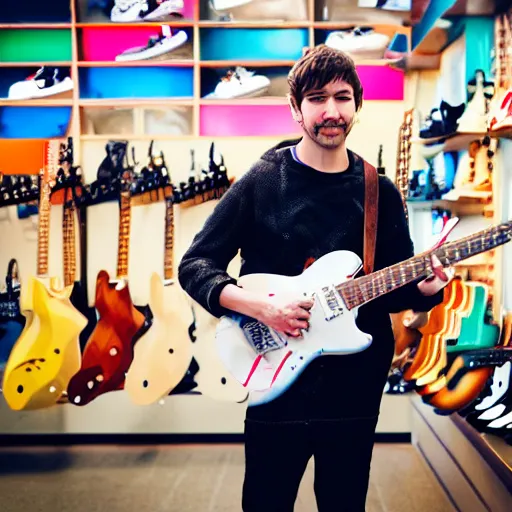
124	237
359	291
68	243
48	172
169	240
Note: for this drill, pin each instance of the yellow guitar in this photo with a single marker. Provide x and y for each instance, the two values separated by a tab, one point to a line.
47	353
163	354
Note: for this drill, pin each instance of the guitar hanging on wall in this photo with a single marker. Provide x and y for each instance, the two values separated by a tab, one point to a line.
109	351
163	355
267	362
47	353
12	321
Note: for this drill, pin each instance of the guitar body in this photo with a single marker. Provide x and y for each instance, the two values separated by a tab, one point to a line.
109	351
79	301
47	353
429	349
470	337
163	354
213	378
270	375
467	378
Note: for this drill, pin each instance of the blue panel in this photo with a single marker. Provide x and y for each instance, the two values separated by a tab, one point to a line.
252	43
434	11
9	76
479	41
34	122
135	82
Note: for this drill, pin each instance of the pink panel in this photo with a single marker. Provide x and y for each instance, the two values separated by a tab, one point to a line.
247	120
188	9
105	43
381	82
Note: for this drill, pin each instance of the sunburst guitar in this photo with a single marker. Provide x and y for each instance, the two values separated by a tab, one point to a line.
162	356
109	351
47	353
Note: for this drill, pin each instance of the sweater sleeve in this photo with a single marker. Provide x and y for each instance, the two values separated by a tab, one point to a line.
202	271
394	244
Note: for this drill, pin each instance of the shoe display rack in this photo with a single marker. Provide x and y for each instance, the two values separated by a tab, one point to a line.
112	98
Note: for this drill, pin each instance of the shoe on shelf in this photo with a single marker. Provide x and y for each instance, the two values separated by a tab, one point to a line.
225	5
47	81
442	121
359	42
500	118
390	5
127	11
157	47
474	118
240	83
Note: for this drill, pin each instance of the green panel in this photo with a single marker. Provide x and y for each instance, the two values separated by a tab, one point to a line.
35	45
479	42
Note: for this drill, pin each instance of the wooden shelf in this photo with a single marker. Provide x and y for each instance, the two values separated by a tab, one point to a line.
263	100
179	138
139	63
35	25
134	136
36	103
254	24
107	24
136	102
35	64
245	63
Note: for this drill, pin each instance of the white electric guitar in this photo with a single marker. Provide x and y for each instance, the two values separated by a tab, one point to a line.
267	362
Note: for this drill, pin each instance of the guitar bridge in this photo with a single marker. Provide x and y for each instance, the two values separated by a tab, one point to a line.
331	302
261	338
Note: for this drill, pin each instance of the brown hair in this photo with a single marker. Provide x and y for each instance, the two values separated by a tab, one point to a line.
318	67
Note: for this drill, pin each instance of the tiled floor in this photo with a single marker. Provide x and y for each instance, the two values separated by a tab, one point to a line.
187	478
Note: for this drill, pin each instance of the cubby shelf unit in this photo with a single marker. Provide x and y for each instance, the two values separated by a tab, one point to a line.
86	44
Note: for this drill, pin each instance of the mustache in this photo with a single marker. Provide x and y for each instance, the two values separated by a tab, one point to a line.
330	124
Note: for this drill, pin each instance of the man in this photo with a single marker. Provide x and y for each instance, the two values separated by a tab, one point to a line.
302	200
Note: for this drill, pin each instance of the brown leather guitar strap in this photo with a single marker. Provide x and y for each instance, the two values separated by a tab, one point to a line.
371	205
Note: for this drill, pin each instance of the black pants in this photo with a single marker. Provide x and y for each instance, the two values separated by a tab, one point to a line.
277	454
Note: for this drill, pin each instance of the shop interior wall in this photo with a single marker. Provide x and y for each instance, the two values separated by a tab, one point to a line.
113	412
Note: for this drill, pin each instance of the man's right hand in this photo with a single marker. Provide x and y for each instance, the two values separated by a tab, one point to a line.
287	317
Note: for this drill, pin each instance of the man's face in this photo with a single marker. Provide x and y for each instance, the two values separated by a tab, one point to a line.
328	114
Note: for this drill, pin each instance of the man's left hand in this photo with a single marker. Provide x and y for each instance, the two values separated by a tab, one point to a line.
439	278
429	286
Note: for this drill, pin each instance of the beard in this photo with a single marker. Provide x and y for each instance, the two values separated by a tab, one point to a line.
327	141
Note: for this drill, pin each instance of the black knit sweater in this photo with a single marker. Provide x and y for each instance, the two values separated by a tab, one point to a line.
282	213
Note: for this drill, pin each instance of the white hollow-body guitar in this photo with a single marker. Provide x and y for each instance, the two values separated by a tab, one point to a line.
162	356
267	362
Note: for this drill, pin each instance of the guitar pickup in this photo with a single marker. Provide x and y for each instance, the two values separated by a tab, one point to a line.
331	302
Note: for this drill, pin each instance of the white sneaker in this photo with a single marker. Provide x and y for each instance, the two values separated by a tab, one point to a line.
155	10
474	118
240	84
44	83
359	43
161	44
126	11
225	5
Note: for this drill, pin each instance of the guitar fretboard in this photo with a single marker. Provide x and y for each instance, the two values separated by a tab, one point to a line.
367	288
124	237
68	243
47	173
169	240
